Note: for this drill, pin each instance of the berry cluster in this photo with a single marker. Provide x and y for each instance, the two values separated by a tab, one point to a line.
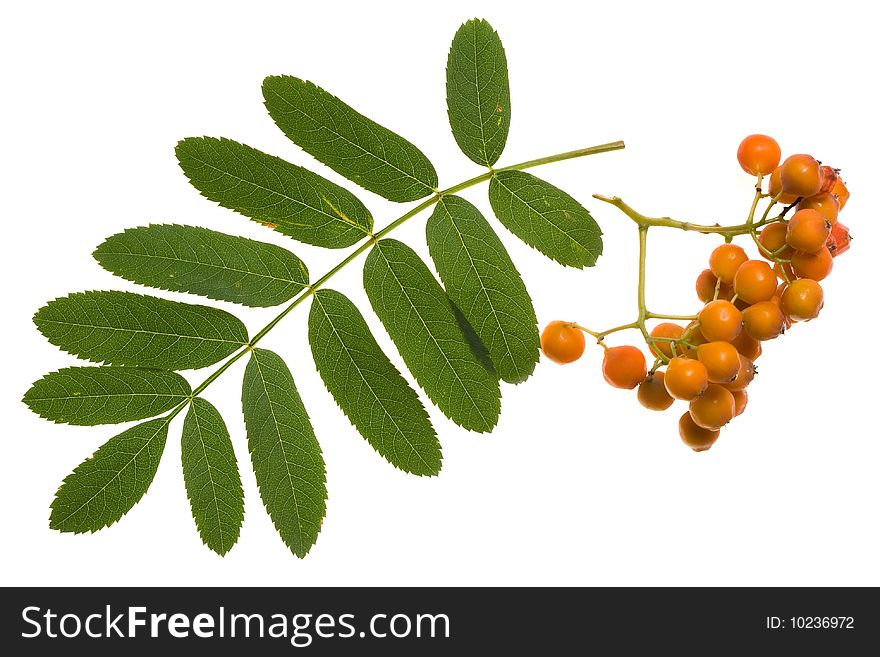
709	362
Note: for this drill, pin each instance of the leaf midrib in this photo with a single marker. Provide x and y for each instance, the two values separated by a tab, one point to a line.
403	289
210	475
203	264
341	219
483	288
552	225
290	477
131	330
372	391
355	144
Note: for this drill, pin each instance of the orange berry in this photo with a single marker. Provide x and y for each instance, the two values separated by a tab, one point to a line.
825	204
686	378
764	320
624	367
694	336
758	154
652	393
813	265
754	281
784	269
807	231
838	240
740	400
562	342
665	330
725	260
803	299
705	287
800	175
714	409
721	360
720	320
775	188
744	376
772	238
695	436
747	346
841	192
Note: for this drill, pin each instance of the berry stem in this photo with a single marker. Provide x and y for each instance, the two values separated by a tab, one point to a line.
643	220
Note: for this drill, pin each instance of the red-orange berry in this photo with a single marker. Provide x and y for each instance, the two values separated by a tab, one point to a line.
624	367
800	175
562	342
838	240
828	177
758	154
705	287
807	231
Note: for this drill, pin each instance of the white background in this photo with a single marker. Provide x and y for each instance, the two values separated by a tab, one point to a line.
578	484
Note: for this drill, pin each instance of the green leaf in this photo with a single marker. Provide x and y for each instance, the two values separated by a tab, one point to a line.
368	388
123	328
546	218
205	262
419	318
210	473
478	92
348	142
269	190
105	486
105	395
483	282
286	455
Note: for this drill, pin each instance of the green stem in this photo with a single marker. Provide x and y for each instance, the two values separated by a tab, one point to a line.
372	239
643	220
643	252
650	315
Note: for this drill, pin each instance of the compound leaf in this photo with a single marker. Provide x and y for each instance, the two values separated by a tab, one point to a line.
105	395
368	388
285	454
205	262
272	191
546	218
123	328
348	142
478	92
210	473
481	279
419	318
105	486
